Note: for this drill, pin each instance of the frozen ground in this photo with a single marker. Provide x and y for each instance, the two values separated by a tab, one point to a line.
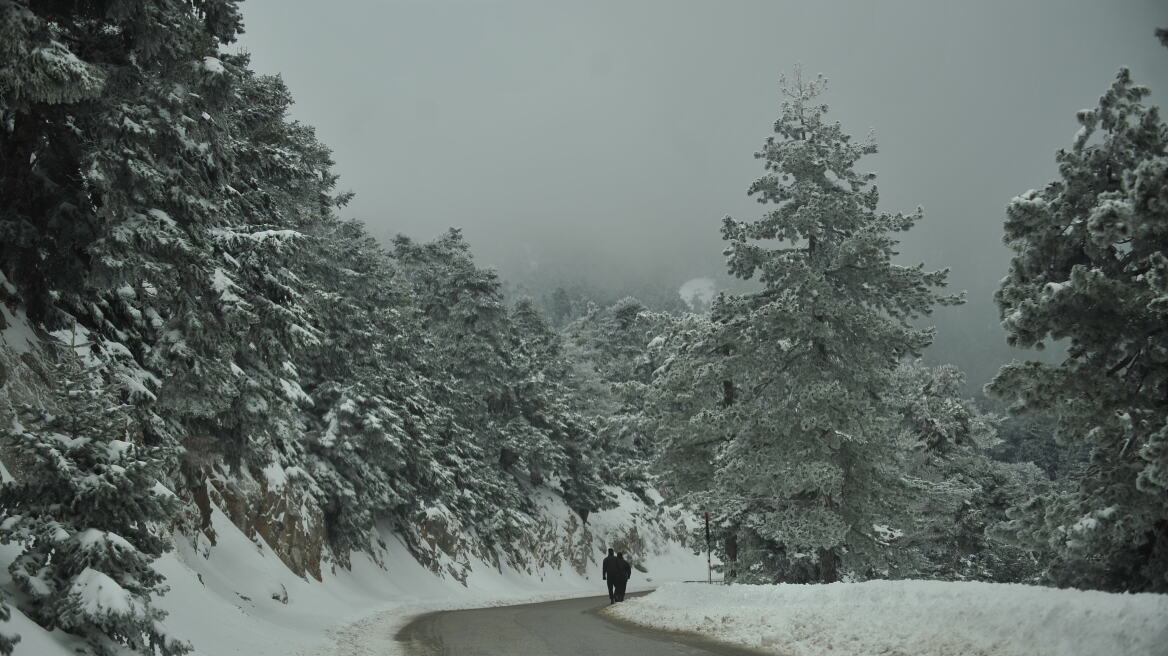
237	597
911	618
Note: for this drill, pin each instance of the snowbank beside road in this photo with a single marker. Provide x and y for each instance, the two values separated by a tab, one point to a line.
236	596
917	618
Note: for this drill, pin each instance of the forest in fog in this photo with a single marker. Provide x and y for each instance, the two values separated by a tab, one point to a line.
180	247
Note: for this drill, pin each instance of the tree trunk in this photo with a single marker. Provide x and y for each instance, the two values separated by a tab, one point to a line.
828	568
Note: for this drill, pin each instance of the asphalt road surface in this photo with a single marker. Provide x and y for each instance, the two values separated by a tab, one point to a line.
571	627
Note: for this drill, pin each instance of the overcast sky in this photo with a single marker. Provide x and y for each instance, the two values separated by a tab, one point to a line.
608	139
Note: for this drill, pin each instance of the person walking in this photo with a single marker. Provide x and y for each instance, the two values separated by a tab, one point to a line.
609	570
625	572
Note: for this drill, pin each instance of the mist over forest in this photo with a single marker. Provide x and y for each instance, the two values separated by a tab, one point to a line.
599	145
309	317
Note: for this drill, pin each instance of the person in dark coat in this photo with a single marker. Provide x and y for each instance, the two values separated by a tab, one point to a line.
626	571
609	569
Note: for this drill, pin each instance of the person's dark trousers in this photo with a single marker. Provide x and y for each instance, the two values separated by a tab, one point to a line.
611	593
620	590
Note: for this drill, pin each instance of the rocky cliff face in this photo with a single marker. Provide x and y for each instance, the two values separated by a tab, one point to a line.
271	505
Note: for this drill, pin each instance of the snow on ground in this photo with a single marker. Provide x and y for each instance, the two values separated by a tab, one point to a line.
910	618
237	597
17	333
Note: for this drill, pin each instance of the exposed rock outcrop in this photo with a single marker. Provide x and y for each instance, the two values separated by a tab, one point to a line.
273	505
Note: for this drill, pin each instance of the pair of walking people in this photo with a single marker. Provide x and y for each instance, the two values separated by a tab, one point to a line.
616	571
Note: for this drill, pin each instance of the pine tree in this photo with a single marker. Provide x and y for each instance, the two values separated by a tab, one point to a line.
95	137
116	169
91	514
611	369
537	431
1091	271
374	433
559	306
775	415
575	459
282	186
1030	438
499	373
964	492
111	172
466	324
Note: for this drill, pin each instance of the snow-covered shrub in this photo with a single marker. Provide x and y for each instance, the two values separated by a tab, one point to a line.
90	514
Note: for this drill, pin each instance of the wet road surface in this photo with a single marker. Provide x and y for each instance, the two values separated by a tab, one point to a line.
571	627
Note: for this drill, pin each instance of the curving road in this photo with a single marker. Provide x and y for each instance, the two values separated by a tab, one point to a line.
571	627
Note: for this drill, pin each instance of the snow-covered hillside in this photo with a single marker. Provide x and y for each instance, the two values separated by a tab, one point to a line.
917	618
238	597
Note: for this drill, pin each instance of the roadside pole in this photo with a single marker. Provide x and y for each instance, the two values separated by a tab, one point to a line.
709	566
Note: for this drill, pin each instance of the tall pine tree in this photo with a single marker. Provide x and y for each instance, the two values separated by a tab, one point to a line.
374	434
114	169
775	417
1090	270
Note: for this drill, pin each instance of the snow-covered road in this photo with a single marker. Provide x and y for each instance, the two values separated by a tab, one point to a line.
570	627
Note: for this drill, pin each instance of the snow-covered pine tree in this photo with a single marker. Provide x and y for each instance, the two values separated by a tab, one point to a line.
776	418
611	369
466	324
112	170
1090	271
963	490
535	431
616	339
91	515
574	461
500	373
375	436
559	307
1030	438
464	312
282	189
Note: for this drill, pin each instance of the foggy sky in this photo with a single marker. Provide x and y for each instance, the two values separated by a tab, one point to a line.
606	140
